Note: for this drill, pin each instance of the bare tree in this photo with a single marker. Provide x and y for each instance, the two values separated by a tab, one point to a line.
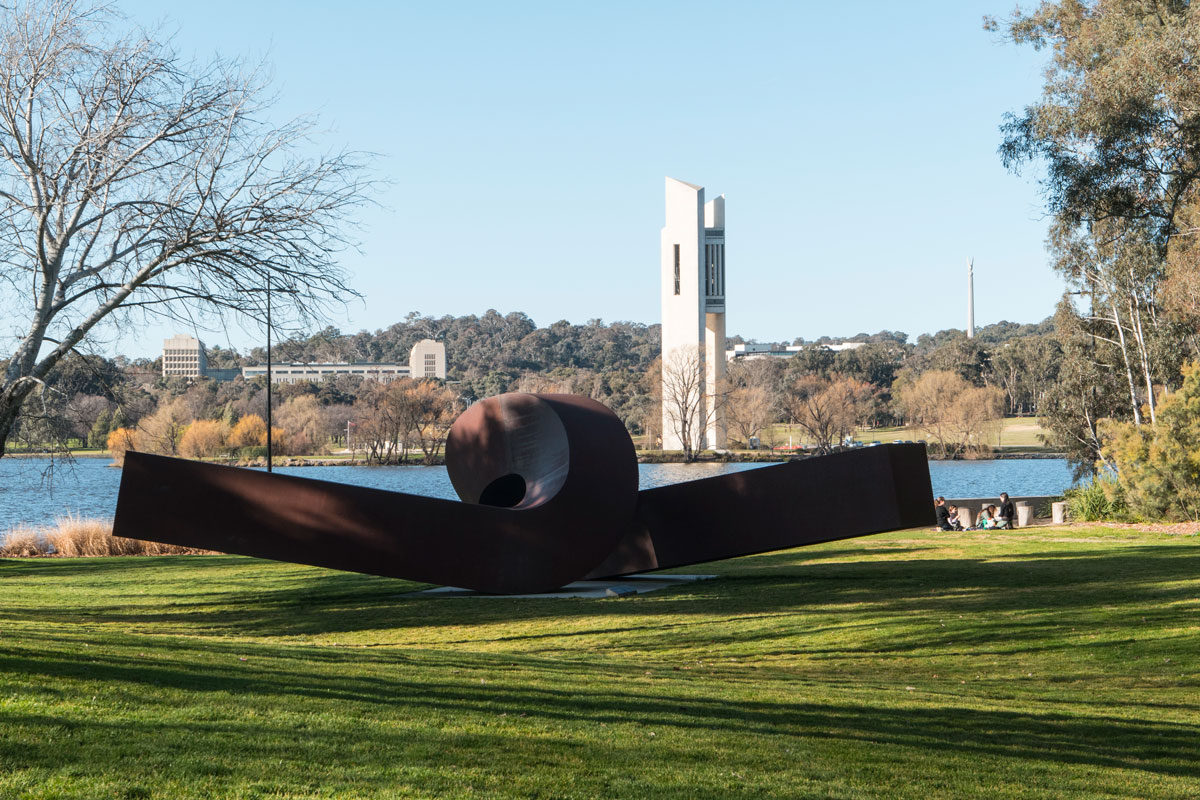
829	411
752	402
975	413
379	429
687	408
425	410
131	181
928	400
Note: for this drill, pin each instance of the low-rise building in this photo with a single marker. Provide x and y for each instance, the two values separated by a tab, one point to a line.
752	351
298	372
427	359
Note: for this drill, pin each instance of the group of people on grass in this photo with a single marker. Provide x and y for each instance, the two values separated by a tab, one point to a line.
991	517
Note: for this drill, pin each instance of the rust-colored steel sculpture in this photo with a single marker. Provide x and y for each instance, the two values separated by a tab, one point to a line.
549	489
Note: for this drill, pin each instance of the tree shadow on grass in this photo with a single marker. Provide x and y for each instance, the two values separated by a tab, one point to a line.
768	604
422	686
760	598
1126	582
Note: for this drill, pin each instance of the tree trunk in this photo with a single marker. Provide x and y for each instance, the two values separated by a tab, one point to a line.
1135	314
1116	321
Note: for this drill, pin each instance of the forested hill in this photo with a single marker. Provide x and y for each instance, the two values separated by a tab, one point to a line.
478	345
495	342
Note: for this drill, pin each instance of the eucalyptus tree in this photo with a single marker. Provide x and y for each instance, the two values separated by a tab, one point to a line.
1117	131
135	184
1117	127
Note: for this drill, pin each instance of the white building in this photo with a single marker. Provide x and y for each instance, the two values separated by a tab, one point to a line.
753	351
427	359
298	372
693	312
183	357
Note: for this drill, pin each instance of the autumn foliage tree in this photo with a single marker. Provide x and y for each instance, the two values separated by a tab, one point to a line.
163	431
204	438
927	399
121	441
956	414
250	431
426	409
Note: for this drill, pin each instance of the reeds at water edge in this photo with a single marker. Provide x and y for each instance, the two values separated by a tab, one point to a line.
80	537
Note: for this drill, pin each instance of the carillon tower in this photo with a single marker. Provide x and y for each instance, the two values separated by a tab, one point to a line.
693	312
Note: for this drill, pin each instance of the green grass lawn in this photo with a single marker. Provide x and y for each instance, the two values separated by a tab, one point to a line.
1043	663
1012	433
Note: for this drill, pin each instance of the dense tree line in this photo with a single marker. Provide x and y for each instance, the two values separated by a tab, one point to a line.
617	363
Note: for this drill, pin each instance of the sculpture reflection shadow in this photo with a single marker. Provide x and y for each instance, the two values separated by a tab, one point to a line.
548	488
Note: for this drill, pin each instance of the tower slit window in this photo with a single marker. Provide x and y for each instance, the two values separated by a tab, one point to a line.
676	269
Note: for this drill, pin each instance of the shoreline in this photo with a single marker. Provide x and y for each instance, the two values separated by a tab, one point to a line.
643	457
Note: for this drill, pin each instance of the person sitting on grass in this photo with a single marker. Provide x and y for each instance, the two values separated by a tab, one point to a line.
1008	512
986	519
997	523
952	519
941	513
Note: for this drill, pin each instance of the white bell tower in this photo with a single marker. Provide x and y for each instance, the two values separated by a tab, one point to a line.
693	309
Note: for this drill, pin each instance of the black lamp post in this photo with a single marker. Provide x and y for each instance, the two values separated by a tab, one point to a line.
270	378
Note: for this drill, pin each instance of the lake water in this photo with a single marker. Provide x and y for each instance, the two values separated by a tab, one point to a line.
31	494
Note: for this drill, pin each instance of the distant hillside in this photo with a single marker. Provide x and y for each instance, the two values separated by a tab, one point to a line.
477	345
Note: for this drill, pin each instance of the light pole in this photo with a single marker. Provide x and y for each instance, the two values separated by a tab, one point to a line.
269	376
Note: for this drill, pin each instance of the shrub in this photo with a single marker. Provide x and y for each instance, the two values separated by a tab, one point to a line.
75	537
1159	466
22	543
1102	499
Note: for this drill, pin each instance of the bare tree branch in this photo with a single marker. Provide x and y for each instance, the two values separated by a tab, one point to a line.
130	179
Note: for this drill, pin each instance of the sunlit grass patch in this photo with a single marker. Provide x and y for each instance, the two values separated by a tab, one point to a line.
1050	662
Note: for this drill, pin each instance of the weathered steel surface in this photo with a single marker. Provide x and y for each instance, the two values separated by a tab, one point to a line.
840	496
549	490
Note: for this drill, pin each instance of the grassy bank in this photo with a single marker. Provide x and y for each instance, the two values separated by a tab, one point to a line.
1047	663
1013	433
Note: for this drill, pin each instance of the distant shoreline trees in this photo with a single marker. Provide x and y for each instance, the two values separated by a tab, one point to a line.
93	397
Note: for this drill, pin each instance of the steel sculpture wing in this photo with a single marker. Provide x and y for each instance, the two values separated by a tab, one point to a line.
549	489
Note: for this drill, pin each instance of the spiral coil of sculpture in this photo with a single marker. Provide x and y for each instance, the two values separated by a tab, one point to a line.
549	490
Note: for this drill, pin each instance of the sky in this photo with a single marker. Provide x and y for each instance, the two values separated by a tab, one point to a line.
524	147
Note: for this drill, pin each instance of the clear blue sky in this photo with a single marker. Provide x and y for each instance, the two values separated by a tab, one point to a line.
526	145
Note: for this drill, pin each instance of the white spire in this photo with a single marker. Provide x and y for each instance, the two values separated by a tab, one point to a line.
970	298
